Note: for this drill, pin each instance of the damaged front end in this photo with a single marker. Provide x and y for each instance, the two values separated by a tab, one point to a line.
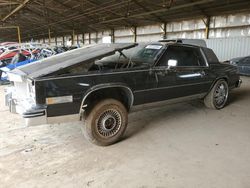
40	89
20	98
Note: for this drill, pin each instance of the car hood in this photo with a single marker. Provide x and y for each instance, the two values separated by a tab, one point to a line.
81	55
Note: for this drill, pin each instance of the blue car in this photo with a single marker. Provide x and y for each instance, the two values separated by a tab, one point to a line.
243	64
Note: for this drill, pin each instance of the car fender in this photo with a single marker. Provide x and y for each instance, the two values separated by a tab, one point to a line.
109	85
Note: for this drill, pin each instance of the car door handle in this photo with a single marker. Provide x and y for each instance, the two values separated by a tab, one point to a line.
203	73
161	73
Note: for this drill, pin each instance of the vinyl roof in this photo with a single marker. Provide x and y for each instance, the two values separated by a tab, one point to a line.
62	16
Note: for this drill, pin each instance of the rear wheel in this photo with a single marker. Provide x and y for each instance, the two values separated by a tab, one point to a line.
218	95
106	122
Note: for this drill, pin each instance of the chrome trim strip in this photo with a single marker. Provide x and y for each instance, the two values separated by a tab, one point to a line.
190	75
172	86
33	115
83	84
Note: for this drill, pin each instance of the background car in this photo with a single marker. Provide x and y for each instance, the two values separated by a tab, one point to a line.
243	64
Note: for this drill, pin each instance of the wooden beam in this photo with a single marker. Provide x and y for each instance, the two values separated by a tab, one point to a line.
15	10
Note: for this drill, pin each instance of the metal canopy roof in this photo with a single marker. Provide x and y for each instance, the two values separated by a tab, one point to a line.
62	16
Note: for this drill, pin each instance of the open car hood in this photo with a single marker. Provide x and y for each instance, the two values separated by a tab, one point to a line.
81	55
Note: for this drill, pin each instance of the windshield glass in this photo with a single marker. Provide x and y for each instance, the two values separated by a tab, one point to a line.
148	54
141	54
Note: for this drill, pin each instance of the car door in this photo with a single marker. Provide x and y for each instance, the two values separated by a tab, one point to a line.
162	84
188	77
192	72
162	79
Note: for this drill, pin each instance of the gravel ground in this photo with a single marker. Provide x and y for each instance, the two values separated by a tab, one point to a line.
180	145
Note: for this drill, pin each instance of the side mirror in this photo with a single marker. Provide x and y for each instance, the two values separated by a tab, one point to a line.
172	63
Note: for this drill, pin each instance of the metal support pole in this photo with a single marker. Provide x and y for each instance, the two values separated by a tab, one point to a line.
56	39
49	36
83	39
112	35
19	34
14	27
73	37
207	28
164	30
134	29
77	39
89	38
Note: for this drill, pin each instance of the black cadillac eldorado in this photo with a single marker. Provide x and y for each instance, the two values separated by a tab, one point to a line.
101	83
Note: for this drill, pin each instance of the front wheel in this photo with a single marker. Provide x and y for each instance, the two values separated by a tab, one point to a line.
106	123
218	95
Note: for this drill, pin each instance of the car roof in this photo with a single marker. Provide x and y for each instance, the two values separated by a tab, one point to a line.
195	42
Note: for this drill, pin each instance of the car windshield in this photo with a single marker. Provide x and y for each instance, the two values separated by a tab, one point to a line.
148	54
141	54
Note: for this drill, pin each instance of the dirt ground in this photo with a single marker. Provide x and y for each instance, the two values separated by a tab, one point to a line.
180	145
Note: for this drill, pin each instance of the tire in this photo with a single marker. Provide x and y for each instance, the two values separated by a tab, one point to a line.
217	97
106	122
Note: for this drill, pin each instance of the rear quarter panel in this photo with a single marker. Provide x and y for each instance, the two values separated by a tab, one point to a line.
229	72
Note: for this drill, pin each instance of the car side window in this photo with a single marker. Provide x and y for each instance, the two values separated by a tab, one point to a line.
183	56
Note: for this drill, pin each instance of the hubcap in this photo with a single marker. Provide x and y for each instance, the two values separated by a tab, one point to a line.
221	94
109	123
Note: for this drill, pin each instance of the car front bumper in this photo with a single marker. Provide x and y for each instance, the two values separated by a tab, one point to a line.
36	114
33	114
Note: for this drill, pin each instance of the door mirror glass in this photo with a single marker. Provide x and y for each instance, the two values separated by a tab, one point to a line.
172	63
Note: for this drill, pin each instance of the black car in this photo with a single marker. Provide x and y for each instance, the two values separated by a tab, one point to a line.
243	64
100	84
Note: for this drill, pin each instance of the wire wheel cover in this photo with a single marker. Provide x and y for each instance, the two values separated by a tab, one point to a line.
220	94
109	123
